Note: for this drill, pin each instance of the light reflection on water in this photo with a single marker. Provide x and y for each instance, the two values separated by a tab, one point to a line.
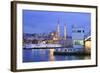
38	55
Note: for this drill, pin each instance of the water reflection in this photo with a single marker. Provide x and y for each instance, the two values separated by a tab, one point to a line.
38	55
51	55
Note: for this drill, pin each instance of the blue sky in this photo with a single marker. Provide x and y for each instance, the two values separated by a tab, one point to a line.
46	21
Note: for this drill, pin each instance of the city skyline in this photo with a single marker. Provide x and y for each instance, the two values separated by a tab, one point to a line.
56	33
46	21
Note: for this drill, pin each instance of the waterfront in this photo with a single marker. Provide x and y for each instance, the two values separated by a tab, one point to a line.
42	55
55	33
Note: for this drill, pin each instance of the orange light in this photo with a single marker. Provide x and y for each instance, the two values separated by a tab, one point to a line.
88	44
55	38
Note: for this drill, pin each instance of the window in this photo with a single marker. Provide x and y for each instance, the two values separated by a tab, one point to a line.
78	42
79	31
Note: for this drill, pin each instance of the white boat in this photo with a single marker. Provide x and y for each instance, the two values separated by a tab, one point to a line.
42	45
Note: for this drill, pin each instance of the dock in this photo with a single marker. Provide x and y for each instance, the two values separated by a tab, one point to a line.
71	53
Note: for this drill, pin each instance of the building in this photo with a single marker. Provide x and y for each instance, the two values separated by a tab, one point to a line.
78	38
88	45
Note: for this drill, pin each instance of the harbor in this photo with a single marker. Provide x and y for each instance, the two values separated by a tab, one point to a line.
44	55
56	39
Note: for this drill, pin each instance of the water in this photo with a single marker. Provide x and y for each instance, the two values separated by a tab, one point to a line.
40	55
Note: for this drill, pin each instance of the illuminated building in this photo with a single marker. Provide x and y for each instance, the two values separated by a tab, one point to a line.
88	45
78	38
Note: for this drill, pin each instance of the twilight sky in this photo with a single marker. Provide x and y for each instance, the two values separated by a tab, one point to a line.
46	21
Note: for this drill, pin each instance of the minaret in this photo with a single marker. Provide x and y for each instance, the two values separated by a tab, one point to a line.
58	29
65	32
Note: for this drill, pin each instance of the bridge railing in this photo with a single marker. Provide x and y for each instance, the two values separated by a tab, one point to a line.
88	35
